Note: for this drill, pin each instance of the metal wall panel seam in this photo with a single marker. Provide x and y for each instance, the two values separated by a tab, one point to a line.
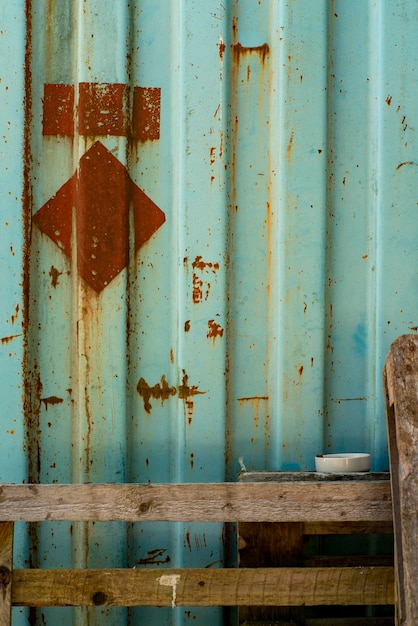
14	48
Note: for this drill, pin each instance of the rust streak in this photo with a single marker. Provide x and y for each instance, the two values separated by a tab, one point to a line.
214	330
155	557
5	340
198	263
338	400
15	315
398	167
239	50
160	391
185	391
54	274
51	400
290	146
252	398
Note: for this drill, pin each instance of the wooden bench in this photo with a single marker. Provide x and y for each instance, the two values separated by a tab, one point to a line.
317	505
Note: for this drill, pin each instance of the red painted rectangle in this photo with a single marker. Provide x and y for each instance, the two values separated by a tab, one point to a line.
146	113
58	110
101	109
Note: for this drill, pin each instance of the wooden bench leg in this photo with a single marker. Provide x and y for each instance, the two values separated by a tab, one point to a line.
271	544
6	564
401	391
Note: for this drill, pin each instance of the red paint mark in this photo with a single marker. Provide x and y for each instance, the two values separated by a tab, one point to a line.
101	190
51	400
58	110
214	330
102	109
146	113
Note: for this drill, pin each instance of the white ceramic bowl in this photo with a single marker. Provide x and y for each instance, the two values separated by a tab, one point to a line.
344	462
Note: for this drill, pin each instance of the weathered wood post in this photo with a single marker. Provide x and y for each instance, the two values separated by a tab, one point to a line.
401	391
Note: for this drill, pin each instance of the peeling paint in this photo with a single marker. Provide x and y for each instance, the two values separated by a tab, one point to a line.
170	580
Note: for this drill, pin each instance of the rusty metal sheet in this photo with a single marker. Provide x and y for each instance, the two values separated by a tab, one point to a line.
208	244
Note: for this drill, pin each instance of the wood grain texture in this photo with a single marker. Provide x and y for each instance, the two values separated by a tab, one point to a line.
205	587
330	621
6	562
271	544
226	502
401	392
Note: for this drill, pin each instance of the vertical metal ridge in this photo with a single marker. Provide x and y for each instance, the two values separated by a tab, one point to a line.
301	256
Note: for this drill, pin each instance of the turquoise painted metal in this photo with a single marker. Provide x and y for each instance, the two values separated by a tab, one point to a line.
208	243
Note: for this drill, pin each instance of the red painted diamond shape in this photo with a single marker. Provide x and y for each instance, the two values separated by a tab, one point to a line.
101	192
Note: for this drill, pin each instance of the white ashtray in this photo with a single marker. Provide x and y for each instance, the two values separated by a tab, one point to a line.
344	462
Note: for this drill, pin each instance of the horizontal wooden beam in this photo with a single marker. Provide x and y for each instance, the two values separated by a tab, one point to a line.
224	502
205	587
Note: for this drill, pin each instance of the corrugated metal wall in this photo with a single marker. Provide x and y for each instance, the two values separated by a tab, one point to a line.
208	241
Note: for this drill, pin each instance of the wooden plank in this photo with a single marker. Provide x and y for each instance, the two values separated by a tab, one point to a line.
204	587
351	621
271	544
6	561
348	528
331	621
225	502
401	392
349	561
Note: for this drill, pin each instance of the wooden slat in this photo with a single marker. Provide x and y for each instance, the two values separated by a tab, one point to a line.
225	502
6	558
348	561
205	587
351	621
330	621
348	528
401	391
